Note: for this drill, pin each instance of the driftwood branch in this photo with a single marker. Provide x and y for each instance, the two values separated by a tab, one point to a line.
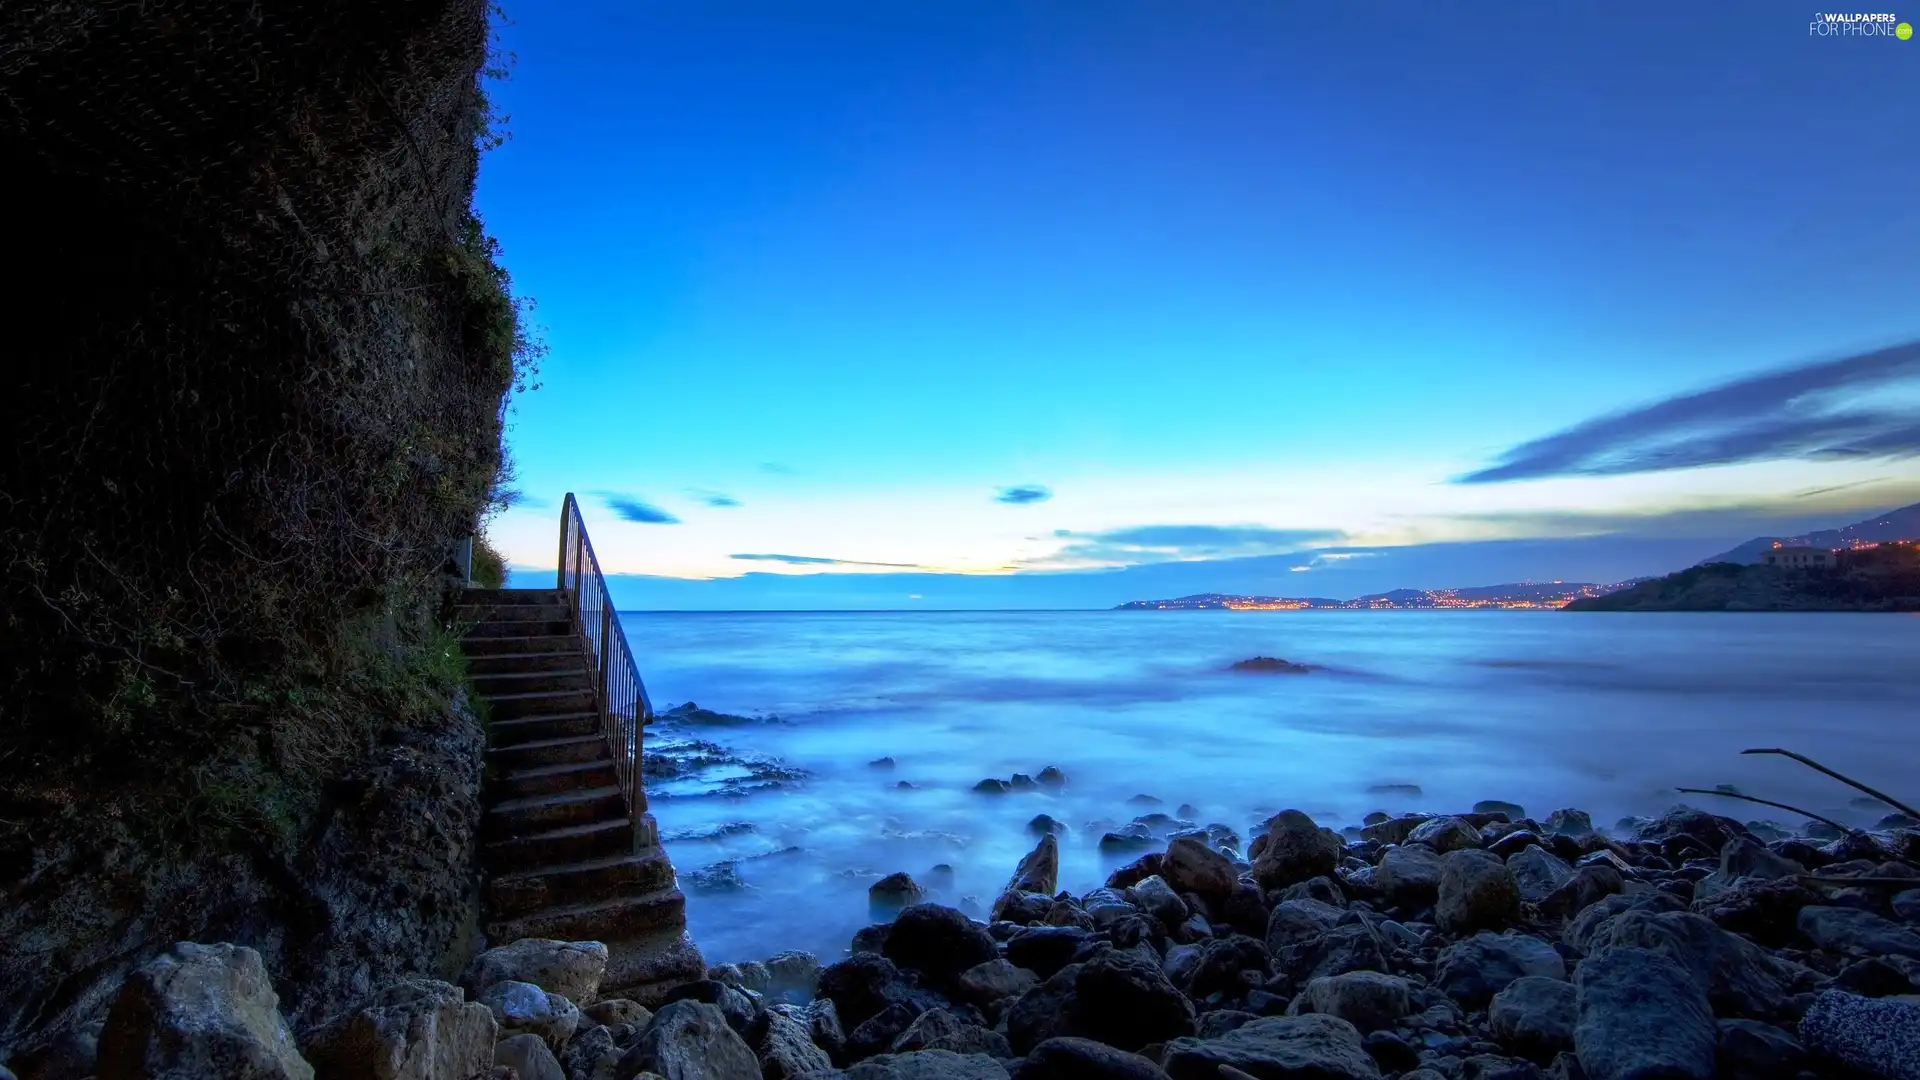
1848	780
1763	802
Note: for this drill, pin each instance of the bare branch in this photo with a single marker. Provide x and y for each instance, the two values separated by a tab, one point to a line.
1763	802
1848	780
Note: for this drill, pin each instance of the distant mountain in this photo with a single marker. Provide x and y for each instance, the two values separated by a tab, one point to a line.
1883	578
1901	524
1519	595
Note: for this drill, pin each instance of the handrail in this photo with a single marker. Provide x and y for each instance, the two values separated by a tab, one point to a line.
625	709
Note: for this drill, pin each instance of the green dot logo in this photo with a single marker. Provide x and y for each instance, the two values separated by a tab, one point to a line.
1903	31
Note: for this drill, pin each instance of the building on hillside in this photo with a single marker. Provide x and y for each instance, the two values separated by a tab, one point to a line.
1802	558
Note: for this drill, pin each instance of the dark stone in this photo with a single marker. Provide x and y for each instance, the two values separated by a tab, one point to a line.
993	786
1134	837
1128	1002
1084	1059
1135	872
1044	1012
1472	971
737	1007
1221	962
944	1029
1853	932
1308	1047
870	938
1514	842
823	1024
1050	777
1751	1050
1876	1036
1323	889
1739	977
939	943
876	1034
1873	977
860	986
880	763
1046	825
1021	782
1766	910
1245	909
1492	1066
1391	1052
1642	1016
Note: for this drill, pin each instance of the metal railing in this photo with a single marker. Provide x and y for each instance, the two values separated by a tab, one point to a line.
624	707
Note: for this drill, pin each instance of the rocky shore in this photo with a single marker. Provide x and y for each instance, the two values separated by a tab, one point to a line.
1477	946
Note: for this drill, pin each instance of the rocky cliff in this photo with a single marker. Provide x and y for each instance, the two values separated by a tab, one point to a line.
260	346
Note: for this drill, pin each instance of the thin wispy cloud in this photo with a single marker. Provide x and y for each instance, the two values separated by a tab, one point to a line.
815	560
1820	411
778	469
1023	494
715	499
1168	543
629	508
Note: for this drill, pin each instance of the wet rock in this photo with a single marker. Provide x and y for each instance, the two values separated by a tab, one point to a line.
1535	1016
993	786
1191	866
592	1054
1477	892
1751	1050
860	986
1020	908
1471	972
1022	782
733	1003
1766	910
1854	932
1153	896
891	894
1538	872
1711	831
1574	823
1641	1016
1588	886
1295	850
572	969
1512	843
1444	834
199	1010
1046	825
877	1033
1580	931
529	1057
1393	830
1312	1047
1742	859
994	981
523	1008
938	942
1218	965
1044	950
1740	978
1878	1037
1271	665
1039	869
1130	837
1368	1000
1126	1001
1906	905
1409	876
406	1026
1051	778
1513	811
1084	1059
940	1029
1047	1011
782	1040
1136	871
823	1024
928	1065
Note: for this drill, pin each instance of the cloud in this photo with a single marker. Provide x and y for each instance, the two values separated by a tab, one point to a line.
815	560
713	498
778	469
1022	495
1811	412
628	508
1164	543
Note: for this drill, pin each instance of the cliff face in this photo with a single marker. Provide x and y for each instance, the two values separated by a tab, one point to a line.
260	348
1884	578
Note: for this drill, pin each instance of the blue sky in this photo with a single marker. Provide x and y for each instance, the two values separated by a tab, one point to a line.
883	293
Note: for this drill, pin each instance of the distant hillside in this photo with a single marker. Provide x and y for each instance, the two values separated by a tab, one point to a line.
1884	578
1527	594
1901	524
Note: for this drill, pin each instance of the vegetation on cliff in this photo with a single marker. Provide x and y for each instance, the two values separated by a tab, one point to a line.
271	346
1884	578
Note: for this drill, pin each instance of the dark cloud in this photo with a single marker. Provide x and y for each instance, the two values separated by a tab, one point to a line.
1022	495
714	499
1810	412
628	508
1162	543
815	560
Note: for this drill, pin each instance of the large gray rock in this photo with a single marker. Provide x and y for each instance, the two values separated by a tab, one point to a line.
1312	1047
1308	939
1295	850
939	1029
782	1039
572	969
927	1065
1409	875
1084	1059
1641	1017
1742	859
1739	977
1538	872
1751	1050
616	1011
690	1040
594	1054
414	1029
1368	1000
1535	1016
1039	869
1155	897
528	1056
1190	866
523	1007
1854	932
1126	1001
199	1011
995	980
938	942
1471	972
1585	925
1444	834
1876	1036
1477	892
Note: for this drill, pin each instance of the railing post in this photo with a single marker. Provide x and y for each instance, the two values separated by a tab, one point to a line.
566	516
579	571
606	650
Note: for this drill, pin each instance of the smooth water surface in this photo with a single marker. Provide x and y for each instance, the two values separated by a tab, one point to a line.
1606	712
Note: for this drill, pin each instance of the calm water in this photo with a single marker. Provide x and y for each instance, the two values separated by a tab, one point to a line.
1607	712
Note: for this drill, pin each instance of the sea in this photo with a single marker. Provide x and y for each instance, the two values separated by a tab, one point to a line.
778	810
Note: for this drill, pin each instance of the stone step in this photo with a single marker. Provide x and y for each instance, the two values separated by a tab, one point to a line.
486	613
516	706
571	750
528	892
494	628
513	596
557	847
480	665
490	683
549	779
645	968
504	734
538	814
569	643
623	917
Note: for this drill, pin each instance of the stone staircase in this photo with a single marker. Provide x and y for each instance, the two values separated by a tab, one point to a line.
564	857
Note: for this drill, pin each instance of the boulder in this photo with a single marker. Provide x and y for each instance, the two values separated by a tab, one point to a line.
1574	823
823	1023
1580	931
1538	872
1511	811
1751	1050
595	1053
1477	892
1312	1047
1471	972
1190	866
1155	897
860	986
1044	1012
1368	1000
1588	886
529	1057
876	1034
413	1029
1050	777
940	1029
1138	870
1294	850
1767	910
993	981
1409	876
939	943
572	969
1020	908
1039	869
928	1065
892	894
1710	831
792	972
781	1037
1906	905
1534	1016
523	1007
1392	830
1738	977
199	1011
1308	939
1875	1036
616	1011
1084	1059
1218	965
1641	1016
1126	1001
1853	932
690	1040
1444	834
1044	950
1743	859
